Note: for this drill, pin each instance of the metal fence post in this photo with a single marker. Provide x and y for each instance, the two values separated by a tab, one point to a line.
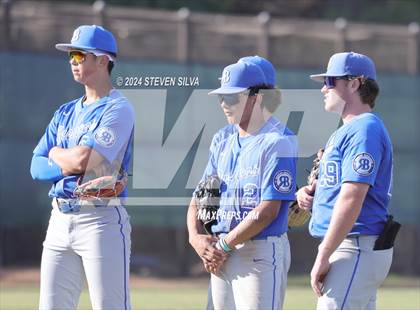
7	27
99	8
183	35
341	41
413	48
263	40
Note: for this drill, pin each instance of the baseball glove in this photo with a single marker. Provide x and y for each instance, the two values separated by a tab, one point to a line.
207	196
297	216
109	186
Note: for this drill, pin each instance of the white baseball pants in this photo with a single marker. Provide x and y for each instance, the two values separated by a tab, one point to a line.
92	244
356	273
254	276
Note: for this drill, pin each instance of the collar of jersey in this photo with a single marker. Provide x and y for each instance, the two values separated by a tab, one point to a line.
358	117
266	127
363	115
241	141
99	102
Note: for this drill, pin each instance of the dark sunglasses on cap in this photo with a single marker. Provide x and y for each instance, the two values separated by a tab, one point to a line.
329	81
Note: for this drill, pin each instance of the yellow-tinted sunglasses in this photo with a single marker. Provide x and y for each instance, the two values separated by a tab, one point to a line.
77	56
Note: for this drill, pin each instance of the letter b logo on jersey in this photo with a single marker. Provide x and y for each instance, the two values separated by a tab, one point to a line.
105	136
363	164
283	181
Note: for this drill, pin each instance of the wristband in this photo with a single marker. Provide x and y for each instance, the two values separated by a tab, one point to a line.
224	245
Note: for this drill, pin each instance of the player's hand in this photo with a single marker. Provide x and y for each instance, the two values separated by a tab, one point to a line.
207	266
204	246
215	266
305	196
318	274
52	154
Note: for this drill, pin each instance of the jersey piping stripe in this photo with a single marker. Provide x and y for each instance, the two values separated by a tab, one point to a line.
354	272
125	266
274	277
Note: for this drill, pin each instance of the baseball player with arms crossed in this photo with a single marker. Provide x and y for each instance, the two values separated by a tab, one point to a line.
248	252
88	136
350	207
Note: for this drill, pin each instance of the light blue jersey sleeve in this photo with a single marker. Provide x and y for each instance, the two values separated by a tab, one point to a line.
111	136
362	154
43	168
279	171
211	168
214	142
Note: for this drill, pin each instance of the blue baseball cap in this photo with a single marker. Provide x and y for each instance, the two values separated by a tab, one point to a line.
90	38
342	64
265	65
238	77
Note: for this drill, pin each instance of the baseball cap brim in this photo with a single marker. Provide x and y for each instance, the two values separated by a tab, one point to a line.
69	47
65	47
320	77
227	90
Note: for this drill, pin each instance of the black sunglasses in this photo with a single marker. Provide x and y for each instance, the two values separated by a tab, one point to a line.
230	99
329	81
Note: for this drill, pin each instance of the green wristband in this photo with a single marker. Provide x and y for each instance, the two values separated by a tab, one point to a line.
224	245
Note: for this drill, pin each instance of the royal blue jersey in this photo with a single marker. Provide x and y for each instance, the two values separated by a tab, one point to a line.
106	126
359	151
258	167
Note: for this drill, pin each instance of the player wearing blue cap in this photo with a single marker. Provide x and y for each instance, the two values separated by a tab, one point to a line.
272	97
350	207
266	67
248	252
86	136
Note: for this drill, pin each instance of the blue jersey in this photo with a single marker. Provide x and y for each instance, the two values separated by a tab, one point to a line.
359	151
106	126
221	135
258	167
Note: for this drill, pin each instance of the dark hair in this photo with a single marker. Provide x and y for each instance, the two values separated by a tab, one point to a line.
111	63
368	91
272	96
110	66
253	90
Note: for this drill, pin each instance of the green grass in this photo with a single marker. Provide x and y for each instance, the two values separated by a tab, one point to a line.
297	297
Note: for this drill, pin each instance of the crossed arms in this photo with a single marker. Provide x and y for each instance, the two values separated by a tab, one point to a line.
63	162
